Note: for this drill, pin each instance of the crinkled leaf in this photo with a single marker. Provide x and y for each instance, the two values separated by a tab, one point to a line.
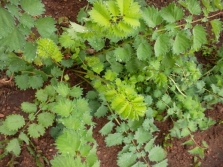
41	95
5	131
151	16
64	107
62	89
144	51
157	154
142	136
150	145
114	139
35	130
163	163
28	107
56	72
122	54
197	151
27	20
33	7
30	51
14	122
14	147
46	119
67	161
101	111
76	92
199	37
97	43
181	43
171	13
66	40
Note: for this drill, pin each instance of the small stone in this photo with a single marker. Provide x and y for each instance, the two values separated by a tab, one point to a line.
98	152
2	115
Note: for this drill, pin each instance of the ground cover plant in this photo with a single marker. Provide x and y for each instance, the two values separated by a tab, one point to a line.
140	61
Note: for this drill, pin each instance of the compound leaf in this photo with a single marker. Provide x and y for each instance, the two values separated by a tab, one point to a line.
33	7
35	130
14	122
28	107
14	147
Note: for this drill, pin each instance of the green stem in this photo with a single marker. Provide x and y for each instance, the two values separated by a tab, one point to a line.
177	86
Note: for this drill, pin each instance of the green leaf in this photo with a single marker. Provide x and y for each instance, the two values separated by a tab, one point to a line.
151	16
185	132
114	139
30	51
35	130
35	81
5	131
162	45
92	158
101	111
142	136
172	13
144	51
14	41
28	107
126	159
46	119
110	75
22	81
56	72
41	95
24	137
46	26
62	89
33	7
100	12
181	43
161	164
140	164
97	43
14	147
27	21
6	22
157	154
197	151
66	40
67	161
14	122
199	37
68	142
122	54
64	107
107	128
216	25
150	145
189	142
76	92
193	6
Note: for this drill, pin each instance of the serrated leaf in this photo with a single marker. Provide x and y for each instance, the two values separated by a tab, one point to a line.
62	89
189	142
181	43
41	95
162	45
107	128
92	157
67	161
185	132
56	72
33	7
46	119
171	13
101	111
197	151
35	81
140	164
151	16
96	43
30	51
28	107
64	107
5	131
126	159
100	12
193	6
114	139
46	26
24	137
14	41
199	37
216	25
76	92
144	51
27	21
161	164
7	20
157	154
66	40
122	54
14	122
142	136
150	145
35	130
14	147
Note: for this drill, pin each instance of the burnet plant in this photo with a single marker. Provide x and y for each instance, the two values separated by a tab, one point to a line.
139	59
